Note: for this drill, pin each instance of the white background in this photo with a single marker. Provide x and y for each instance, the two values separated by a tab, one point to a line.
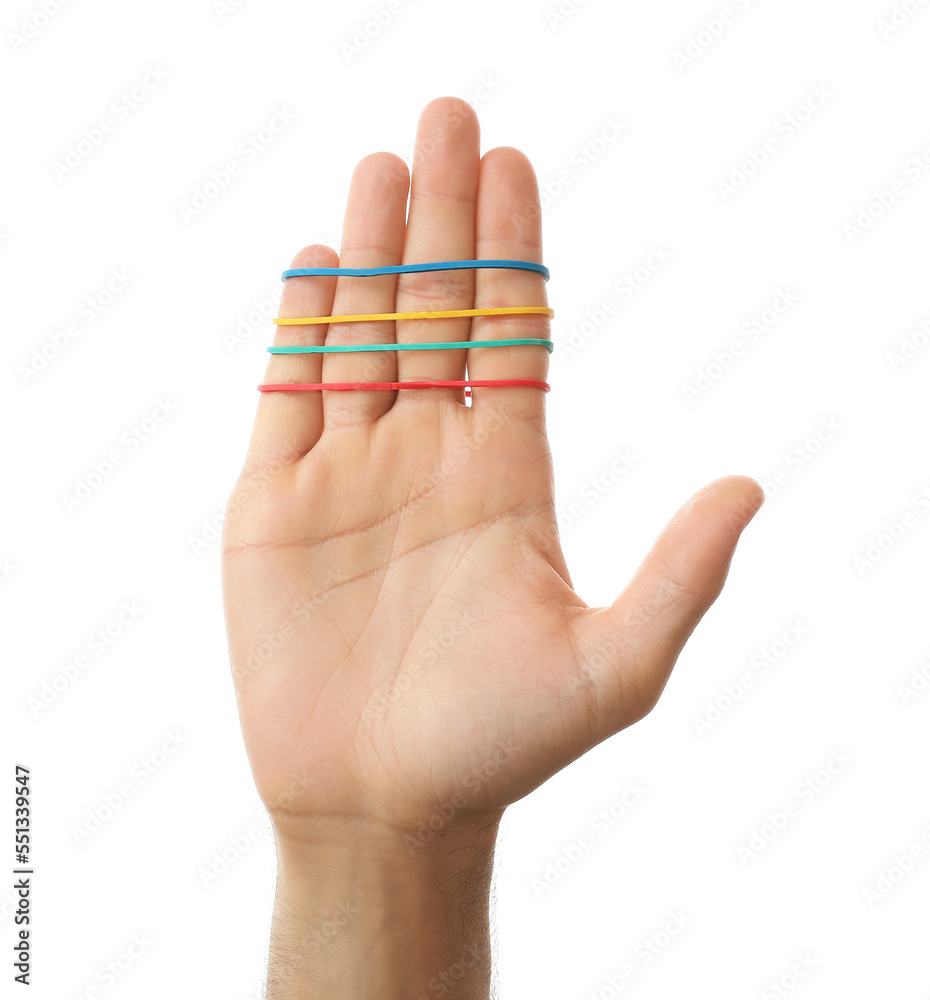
832	363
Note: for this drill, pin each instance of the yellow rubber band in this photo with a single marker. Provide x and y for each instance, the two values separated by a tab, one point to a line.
446	314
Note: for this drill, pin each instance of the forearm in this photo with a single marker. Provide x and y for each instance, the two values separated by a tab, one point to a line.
360	914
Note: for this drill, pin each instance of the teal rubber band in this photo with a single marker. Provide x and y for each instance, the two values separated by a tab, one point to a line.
453	345
440	265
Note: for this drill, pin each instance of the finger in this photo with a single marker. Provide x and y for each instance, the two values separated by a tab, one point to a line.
509	226
441	226
629	649
372	236
288	424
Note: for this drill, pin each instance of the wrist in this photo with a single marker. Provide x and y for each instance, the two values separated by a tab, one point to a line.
361	912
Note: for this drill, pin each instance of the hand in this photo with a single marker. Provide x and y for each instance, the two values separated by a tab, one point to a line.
400	614
408	651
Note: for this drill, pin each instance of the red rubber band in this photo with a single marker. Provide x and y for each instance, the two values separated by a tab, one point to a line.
443	384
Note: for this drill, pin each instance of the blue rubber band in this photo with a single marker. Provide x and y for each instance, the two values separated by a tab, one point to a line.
440	265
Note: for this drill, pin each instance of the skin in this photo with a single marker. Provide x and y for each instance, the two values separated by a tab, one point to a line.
408	650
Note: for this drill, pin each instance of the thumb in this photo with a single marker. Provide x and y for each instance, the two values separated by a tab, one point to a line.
629	649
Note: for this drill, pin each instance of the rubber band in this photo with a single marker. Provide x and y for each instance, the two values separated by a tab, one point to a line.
442	265
442	384
453	345
441	314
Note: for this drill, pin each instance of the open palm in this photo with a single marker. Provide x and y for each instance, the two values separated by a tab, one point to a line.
405	638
